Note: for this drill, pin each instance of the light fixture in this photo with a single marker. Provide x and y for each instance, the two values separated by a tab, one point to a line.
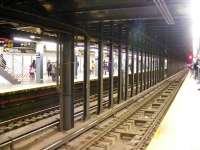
50	46
20	39
32	37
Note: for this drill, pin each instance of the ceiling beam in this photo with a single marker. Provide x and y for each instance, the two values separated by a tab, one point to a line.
26	18
162	7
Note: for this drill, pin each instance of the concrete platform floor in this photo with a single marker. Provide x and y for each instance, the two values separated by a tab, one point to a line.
180	128
33	85
21	87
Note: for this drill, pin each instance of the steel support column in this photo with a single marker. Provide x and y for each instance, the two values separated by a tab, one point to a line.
111	70
153	56
148	55
67	83
162	66
119	69
131	44
126	72
145	68
141	69
160	63
100	71
58	47
163	63
137	70
158	57
156	65
151	65
132	71
86	87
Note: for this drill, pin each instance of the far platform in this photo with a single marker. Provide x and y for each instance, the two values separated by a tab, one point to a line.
28	86
180	128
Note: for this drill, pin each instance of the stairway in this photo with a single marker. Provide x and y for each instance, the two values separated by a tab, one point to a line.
8	76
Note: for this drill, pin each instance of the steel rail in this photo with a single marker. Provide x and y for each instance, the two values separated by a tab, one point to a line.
73	133
26	116
121	119
158	119
78	114
55	108
47	126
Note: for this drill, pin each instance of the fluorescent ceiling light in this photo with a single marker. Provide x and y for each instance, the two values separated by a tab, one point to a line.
20	39
48	43
79	48
32	37
50	46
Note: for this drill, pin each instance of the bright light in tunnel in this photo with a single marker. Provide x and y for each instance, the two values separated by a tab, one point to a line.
21	39
50	46
195	13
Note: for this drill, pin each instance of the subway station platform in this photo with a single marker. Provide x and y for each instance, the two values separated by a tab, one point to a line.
28	86
25	86
180	128
22	87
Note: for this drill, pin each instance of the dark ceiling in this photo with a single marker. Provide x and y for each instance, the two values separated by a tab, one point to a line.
98	10
91	12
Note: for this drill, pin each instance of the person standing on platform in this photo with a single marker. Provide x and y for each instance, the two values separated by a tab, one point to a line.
76	67
198	70
114	67
49	68
92	67
53	73
105	67
195	70
32	68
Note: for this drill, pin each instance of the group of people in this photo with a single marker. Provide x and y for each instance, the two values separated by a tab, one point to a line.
106	67
51	70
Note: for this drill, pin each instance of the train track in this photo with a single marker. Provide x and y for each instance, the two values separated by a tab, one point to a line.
130	128
8	126
24	120
8	141
46	113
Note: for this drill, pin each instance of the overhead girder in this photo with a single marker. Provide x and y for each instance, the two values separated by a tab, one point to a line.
124	11
147	12
101	10
21	17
